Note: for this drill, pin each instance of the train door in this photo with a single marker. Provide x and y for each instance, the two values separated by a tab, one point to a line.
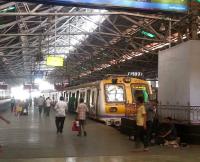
66	96
93	103
140	90
55	96
88	98
77	99
82	95
71	103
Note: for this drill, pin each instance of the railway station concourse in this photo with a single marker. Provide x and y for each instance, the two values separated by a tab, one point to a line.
108	53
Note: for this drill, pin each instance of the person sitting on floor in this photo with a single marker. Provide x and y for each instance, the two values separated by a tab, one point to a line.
168	134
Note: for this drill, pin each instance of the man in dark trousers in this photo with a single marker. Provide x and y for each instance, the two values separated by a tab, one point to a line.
141	124
60	108
81	110
150	110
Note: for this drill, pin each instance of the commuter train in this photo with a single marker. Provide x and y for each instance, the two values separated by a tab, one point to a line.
54	95
4	94
107	99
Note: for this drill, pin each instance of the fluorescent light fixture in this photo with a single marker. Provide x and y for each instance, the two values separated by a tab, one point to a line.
150	35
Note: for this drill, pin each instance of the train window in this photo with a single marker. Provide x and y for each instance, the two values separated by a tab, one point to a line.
70	94
88	97
82	95
114	93
67	96
77	98
140	91
93	93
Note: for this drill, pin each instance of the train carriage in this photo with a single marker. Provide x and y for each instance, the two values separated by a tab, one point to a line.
107	99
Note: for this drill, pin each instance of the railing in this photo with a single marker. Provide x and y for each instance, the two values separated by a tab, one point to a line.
184	114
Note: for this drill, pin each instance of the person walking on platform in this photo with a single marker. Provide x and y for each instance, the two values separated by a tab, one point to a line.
19	109
60	109
48	106
81	110
141	124
40	104
12	102
150	110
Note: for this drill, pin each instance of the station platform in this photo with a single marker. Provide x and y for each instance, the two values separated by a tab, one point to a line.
33	138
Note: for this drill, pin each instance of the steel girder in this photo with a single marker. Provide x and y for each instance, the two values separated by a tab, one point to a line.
38	30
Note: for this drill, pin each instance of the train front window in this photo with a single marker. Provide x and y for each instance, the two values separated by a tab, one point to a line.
114	93
140	91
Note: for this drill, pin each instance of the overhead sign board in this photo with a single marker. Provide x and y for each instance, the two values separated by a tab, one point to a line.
55	61
166	5
35	86
3	86
135	74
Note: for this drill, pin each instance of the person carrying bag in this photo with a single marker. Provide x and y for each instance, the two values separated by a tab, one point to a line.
81	110
75	126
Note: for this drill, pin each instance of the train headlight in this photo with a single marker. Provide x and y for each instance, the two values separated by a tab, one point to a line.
127	80
113	109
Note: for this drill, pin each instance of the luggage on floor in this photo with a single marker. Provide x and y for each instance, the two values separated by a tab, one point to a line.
75	126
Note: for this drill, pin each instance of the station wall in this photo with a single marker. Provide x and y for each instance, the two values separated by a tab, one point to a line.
179	75
195	73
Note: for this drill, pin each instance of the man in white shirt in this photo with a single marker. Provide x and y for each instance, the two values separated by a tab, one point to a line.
60	109
48	106
40	104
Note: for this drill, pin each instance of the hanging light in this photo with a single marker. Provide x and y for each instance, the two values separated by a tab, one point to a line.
162	27
148	34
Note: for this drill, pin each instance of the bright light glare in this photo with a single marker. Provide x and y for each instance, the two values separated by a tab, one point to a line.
19	93
36	94
44	85
38	80
83	24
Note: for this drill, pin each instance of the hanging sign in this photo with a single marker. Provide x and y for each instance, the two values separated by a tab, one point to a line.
55	61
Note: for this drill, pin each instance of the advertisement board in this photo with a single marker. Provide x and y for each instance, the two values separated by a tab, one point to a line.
165	5
55	61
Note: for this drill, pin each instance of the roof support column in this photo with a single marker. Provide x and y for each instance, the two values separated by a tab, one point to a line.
194	21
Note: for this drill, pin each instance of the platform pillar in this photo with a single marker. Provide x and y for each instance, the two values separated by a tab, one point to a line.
179	81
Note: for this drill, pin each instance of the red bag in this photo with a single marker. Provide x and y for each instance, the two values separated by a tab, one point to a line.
75	126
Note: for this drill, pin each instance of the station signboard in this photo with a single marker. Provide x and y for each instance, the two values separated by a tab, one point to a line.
164	5
55	61
35	86
27	86
4	86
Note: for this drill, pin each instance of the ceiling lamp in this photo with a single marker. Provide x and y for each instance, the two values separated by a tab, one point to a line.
162	27
150	35
9	9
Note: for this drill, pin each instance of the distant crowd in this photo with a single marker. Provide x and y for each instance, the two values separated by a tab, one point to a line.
148	129
60	108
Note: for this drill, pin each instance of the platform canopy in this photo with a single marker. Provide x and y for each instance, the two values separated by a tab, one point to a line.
93	42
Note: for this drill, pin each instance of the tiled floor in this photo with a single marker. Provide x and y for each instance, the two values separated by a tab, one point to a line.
35	137
32	137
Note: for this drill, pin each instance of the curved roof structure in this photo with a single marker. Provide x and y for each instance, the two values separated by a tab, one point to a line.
93	42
